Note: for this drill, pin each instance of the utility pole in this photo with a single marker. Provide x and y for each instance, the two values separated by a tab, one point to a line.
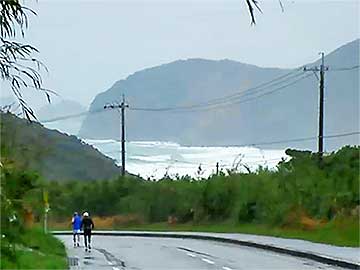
123	135
122	107
322	70
217	168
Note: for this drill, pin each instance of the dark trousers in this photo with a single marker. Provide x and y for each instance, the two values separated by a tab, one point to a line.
87	237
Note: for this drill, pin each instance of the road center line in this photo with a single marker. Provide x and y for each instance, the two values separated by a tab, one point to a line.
207	261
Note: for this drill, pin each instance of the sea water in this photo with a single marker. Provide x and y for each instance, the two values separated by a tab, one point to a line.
154	160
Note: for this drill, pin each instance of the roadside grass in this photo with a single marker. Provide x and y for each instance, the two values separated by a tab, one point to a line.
36	250
333	234
339	232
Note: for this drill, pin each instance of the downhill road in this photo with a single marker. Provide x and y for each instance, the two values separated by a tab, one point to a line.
137	253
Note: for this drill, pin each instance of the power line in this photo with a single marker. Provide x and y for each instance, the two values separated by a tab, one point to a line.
256	89
215	101
347	134
223	100
231	98
102	143
296	140
344	68
209	103
250	91
69	116
263	94
183	107
226	103
342	135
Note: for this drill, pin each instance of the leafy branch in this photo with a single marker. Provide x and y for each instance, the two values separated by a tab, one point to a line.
253	5
17	64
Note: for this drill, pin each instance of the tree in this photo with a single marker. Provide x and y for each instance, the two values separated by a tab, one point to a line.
18	66
254	4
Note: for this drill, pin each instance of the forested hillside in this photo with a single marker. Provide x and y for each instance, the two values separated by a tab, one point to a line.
53	155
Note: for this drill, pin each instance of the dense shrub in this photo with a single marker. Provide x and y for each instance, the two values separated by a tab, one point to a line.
300	187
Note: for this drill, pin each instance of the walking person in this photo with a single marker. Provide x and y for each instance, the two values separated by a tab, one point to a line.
87	225
76	224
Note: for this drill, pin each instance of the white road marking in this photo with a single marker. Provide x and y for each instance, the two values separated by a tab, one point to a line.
191	255
207	261
115	268
109	262
226	268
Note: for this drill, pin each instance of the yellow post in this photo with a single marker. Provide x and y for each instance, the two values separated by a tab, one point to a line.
46	208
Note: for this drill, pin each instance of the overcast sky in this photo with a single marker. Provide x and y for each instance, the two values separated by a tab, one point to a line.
88	45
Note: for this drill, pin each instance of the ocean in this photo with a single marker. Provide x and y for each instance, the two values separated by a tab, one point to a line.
153	160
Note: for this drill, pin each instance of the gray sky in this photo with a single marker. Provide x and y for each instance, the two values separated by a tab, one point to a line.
88	45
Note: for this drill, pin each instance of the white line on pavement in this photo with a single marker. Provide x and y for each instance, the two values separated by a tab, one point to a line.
226	268
207	261
191	255
115	268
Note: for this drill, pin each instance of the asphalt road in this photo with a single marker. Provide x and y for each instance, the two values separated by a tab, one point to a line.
118	253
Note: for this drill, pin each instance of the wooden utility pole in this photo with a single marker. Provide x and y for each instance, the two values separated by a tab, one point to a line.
122	107
322	70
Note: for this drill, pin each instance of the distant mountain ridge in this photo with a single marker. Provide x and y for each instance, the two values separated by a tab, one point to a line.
289	113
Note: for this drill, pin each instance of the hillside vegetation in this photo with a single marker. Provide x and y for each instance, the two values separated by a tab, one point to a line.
53	155
299	195
24	246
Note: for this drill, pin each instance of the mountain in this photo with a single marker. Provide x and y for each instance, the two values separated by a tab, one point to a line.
51	111
54	155
286	113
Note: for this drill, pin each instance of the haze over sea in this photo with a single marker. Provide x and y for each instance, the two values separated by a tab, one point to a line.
153	160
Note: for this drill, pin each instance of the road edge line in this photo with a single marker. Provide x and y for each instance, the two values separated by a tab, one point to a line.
295	253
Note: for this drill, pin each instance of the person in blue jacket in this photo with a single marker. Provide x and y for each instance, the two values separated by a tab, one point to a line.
76	224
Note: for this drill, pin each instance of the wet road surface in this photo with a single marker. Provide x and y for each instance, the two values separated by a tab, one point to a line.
138	253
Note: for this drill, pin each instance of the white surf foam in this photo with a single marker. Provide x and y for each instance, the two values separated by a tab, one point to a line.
155	159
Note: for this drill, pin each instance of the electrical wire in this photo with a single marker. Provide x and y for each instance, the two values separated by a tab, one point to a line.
60	118
296	140
221	104
344	68
276	142
252	90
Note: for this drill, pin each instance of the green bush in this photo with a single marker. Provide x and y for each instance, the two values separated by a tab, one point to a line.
301	186
22	248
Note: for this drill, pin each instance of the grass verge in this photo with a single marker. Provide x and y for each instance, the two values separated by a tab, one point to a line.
334	233
338	234
36	250
341	231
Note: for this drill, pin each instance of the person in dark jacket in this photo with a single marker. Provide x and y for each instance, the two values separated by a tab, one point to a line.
87	225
